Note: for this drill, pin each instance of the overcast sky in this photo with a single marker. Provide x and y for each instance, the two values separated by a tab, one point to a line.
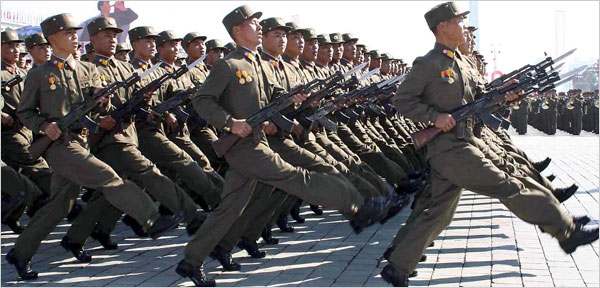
521	30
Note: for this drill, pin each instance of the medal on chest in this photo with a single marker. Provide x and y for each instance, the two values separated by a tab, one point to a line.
447	76
51	80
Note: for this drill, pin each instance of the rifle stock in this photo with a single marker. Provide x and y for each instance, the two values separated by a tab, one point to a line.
39	147
421	138
224	143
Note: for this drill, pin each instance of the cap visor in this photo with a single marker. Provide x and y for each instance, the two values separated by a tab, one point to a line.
256	15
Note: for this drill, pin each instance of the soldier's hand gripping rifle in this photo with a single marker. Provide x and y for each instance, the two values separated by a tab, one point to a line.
8	84
79	115
270	112
540	83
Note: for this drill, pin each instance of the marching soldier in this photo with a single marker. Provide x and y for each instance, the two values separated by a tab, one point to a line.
38	48
215	51
455	151
122	52
47	96
16	138
237	86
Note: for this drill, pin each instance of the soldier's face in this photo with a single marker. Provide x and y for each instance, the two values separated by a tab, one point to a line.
105	42
367	57
311	50
249	32
196	48
10	52
295	43
375	62
338	51
325	53
123	56
65	41
213	55
350	50
168	51
145	47
454	30
275	41
385	66
41	53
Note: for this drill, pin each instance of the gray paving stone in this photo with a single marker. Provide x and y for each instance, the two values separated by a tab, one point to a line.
484	246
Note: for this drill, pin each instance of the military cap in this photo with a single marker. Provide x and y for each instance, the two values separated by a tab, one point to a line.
58	23
442	12
336	38
274	23
323	39
239	15
34	39
310	34
374	54
230	46
347	37
141	32
472	28
22	50
166	36
386	56
10	36
214	44
103	23
191	37
295	28
123	46
89	48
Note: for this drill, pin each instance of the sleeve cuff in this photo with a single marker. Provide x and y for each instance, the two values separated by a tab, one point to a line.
433	116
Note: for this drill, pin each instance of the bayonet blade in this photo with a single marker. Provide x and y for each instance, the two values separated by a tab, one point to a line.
355	69
570	75
198	61
563	56
368	74
557	67
574	72
147	72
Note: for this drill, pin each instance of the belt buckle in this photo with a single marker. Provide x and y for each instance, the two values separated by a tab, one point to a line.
84	132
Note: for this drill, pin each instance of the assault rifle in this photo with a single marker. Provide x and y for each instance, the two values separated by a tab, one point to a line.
540	82
78	115
8	84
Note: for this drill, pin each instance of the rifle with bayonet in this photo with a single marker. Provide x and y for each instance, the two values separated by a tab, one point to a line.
332	83
272	112
548	62
172	104
342	100
8	84
79	116
539	80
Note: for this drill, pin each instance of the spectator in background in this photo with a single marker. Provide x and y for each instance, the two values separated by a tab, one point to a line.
124	17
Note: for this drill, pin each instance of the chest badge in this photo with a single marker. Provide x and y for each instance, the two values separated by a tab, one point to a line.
242	80
51	80
447	76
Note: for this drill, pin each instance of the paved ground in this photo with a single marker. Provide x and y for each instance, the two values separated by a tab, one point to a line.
484	246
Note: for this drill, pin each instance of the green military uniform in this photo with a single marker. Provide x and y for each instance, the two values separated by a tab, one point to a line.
456	161
156	146
50	91
202	134
17	138
118	148
237	86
